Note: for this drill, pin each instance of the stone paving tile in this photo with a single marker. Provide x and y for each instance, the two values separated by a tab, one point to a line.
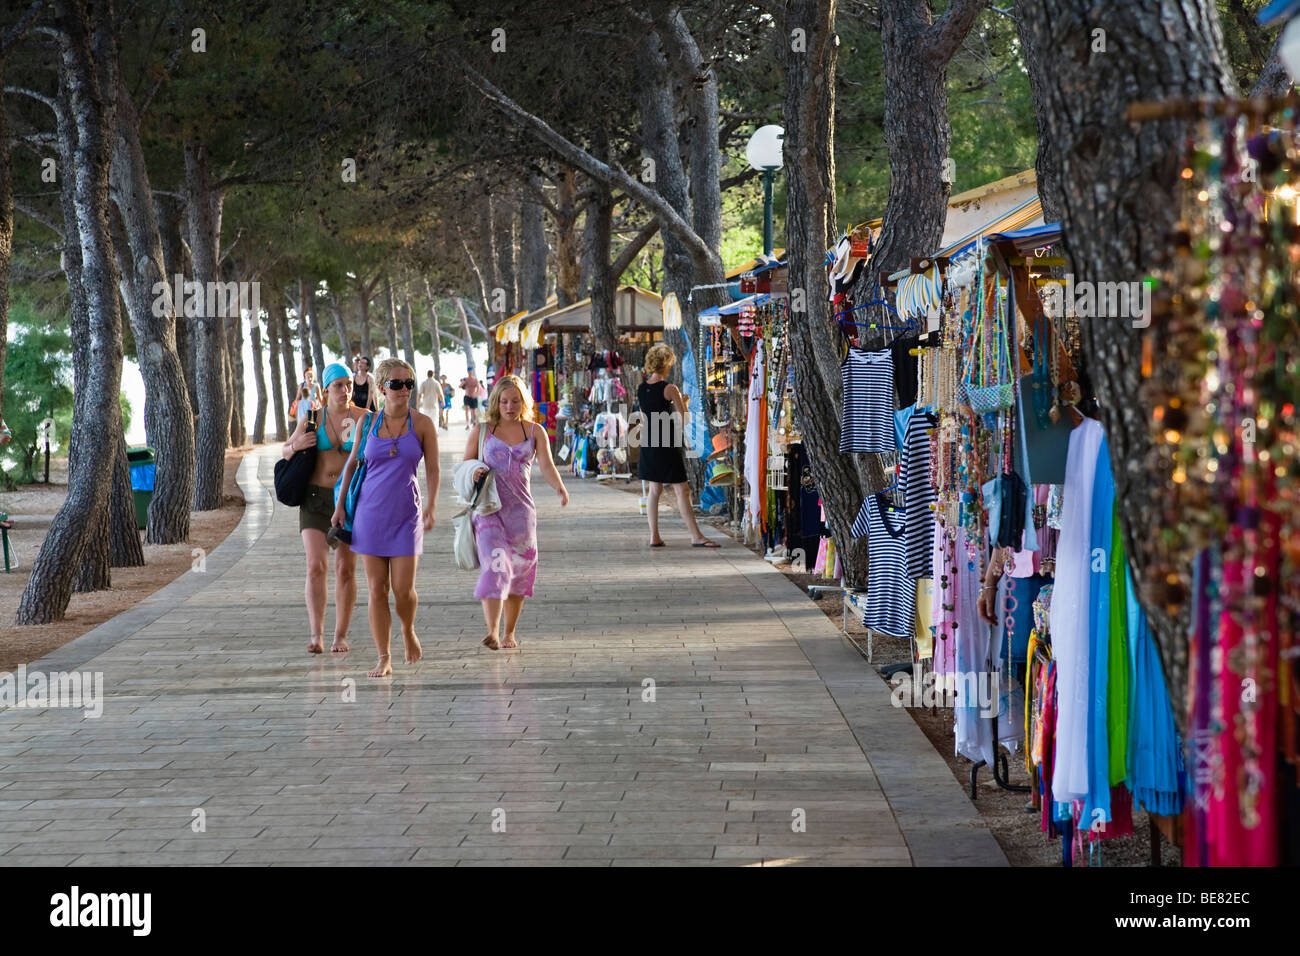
759	707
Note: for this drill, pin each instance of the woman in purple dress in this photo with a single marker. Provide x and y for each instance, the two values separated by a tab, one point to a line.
389	524
507	539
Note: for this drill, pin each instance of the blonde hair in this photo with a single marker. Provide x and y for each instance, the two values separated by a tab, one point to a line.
385	370
659	358
494	400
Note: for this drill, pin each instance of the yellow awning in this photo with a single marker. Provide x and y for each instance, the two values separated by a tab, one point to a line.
508	331
531	337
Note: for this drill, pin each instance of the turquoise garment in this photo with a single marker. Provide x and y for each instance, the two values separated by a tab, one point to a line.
323	439
1099	546
1154	763
901	418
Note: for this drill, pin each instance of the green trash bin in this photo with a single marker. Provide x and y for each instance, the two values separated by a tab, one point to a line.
143	471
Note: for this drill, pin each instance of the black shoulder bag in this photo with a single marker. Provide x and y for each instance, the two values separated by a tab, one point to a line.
292	475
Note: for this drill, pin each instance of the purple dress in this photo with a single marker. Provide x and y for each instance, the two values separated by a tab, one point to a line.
507	539
387	522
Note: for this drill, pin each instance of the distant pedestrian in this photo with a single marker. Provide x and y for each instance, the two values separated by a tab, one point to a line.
430	396
363	385
389	524
447	393
309	382
507	539
471	387
661	462
333	438
303	404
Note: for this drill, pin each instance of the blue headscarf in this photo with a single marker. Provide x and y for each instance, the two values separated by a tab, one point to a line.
333	371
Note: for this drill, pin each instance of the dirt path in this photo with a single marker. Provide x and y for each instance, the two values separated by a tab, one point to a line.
32	507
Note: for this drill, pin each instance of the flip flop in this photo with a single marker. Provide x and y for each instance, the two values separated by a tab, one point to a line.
658	544
705	544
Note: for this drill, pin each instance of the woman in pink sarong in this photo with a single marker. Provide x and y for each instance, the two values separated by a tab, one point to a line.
507	539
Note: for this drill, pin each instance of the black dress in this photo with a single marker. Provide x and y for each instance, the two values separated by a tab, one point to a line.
661	437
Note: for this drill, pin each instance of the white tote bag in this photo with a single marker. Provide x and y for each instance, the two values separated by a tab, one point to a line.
463	544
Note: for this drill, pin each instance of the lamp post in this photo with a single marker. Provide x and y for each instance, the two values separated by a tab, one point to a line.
764	154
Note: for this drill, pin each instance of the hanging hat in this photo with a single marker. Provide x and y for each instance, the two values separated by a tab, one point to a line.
721	443
333	371
723	475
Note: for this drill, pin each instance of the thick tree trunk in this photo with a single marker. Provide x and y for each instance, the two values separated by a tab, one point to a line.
274	330
86	82
1038	61
313	323
532	251
170	212
168	417
568	267
1118	193
259	378
810	227
124	548
408	327
211	366
235	366
435	333
504	209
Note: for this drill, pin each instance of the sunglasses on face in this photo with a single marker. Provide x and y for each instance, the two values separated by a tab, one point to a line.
398	384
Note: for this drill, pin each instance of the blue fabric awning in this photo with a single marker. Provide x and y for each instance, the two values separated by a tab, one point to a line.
733	308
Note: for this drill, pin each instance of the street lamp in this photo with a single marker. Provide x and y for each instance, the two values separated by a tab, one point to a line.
764	154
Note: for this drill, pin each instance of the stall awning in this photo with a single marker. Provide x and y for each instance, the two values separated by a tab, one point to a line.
758	264
531	335
1020	217
735	308
508	330
635	310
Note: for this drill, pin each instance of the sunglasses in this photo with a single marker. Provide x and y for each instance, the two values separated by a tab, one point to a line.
398	384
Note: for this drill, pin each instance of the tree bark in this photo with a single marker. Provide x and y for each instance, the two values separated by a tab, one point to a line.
168	417
503	244
86	82
1119	198
274	330
810	227
170	212
259	378
304	329
291	380
467	341
568	267
211	364
435	333
1273	80
532	251
6	229
313	324
235	371
390	306
408	327
124	548
1037	63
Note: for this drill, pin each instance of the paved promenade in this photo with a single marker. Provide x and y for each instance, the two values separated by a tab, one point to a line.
767	739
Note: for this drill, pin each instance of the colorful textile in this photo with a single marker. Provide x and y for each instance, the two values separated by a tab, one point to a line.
507	539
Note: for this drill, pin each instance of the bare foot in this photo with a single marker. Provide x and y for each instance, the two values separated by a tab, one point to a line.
490	642
509	642
384	668
413	649
657	543
340	646
316	645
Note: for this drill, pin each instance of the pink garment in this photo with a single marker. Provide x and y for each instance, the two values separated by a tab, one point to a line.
507	539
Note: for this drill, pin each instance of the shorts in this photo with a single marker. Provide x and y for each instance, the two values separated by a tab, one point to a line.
316	509
471	402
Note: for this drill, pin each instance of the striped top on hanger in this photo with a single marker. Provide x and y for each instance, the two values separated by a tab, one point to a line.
868	412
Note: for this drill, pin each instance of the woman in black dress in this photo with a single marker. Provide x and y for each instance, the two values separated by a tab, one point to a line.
661	461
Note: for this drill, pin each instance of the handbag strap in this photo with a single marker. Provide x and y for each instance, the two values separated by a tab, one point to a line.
365	433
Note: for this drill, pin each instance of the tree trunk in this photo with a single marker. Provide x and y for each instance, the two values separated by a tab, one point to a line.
810	227
468	342
568	267
435	333
503	243
304	330
1118	193
168	417
408	327
211	365
86	82
124	548
235	365
532	251
6	230
599	236
341	330
291	380
363	296
390	305
259	378
313	323
170	212
274	326
1037	63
